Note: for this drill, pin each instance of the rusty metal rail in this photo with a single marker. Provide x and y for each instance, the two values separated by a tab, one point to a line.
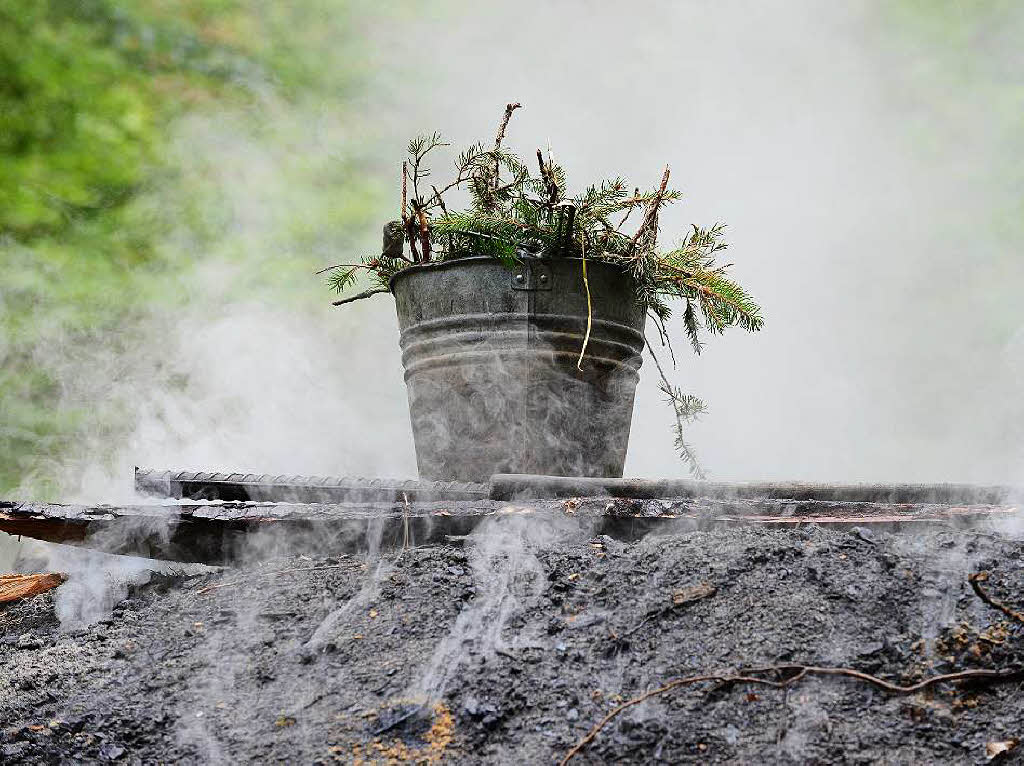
286	488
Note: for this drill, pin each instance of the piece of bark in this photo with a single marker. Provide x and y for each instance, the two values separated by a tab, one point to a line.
15	586
693	593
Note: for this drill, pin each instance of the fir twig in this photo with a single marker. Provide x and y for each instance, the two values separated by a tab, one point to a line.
685	409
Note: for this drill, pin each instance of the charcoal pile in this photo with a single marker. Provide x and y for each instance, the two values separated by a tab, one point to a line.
532	640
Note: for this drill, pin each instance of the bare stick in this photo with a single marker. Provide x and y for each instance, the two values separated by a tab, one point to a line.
549	181
799	673
360	296
424	232
509	108
649	226
440	202
405	181
666	341
975	580
688	596
629	210
343	266
412	234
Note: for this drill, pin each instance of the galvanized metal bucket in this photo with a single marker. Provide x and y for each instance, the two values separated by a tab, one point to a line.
490	366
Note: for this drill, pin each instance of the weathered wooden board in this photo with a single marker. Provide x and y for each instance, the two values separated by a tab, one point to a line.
17	586
218	532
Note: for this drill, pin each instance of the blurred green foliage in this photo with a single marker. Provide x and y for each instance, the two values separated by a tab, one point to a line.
958	66
104	204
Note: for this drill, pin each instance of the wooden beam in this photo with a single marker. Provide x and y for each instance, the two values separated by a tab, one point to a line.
216	533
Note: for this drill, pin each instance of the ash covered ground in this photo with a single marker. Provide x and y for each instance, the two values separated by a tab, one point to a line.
509	645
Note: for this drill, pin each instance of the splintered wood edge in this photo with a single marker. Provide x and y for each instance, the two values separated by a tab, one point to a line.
53	530
18	586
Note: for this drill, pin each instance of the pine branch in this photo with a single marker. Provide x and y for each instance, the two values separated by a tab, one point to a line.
692	326
340	278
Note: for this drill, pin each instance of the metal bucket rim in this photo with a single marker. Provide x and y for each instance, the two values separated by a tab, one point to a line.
453	262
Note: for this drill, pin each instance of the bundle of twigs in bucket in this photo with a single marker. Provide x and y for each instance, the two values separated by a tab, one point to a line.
518	209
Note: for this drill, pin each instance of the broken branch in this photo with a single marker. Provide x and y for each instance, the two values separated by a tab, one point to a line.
345	266
975	580
679	598
424	230
799	672
405	188
647	233
509	108
359	297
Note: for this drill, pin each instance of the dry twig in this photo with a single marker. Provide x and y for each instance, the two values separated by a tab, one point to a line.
424	230
359	296
509	108
405	189
975	580
647	233
679	598
798	672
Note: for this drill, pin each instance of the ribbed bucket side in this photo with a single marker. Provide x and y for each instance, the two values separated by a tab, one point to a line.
490	366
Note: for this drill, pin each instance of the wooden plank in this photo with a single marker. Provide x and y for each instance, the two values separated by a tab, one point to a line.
217	532
513	486
16	586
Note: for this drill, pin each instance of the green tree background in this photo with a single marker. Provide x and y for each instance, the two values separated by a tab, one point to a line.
104	205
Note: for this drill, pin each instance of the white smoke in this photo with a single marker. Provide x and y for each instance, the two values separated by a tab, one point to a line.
508	577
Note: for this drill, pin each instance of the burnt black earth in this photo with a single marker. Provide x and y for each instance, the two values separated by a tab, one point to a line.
507	646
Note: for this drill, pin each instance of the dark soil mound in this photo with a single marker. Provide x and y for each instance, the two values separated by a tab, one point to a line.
510	646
